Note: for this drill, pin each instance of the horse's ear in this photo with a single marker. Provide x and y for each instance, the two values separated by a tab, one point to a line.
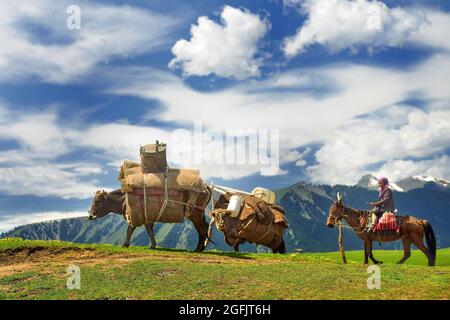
339	198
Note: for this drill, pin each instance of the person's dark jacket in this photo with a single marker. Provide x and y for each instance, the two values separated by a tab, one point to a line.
386	200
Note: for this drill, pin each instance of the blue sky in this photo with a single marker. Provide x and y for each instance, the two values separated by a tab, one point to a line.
351	86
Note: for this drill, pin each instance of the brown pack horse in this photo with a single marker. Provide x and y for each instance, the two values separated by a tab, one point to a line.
230	225
114	202
412	230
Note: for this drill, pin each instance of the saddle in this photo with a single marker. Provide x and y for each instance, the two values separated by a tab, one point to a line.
265	213
388	222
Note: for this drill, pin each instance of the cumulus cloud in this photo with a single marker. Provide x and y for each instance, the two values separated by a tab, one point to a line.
287	102
37	132
37	43
45	180
119	141
342	24
229	49
434	33
398	169
32	168
385	139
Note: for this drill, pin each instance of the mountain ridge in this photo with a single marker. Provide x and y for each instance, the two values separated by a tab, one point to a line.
306	208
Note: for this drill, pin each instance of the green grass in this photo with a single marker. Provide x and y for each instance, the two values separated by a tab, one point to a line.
179	274
388	256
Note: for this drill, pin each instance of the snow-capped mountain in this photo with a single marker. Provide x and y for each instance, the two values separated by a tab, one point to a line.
369	181
424	181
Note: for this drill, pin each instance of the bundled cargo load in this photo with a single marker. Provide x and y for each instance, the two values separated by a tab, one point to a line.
153	157
248	218
156	193
131	176
264	194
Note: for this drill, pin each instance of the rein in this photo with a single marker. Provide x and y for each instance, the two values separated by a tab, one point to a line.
344	215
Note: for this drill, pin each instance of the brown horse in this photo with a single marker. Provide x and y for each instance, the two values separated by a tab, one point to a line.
229	226
114	202
412	230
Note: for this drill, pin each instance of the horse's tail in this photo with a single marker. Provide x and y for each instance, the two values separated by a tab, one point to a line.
430	239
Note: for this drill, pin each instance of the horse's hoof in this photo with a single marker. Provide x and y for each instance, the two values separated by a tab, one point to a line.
125	245
152	247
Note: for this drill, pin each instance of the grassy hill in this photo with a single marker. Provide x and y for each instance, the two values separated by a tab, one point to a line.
38	270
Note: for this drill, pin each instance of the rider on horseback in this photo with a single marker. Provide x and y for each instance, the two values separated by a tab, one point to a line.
385	200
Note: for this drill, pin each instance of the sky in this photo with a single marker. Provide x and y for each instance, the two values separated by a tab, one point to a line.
340	88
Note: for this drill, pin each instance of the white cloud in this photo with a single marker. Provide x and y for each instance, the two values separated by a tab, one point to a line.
37	43
398	169
287	102
301	162
32	166
389	137
434	33
119	141
9	222
302	117
228	49
341	24
45	180
37	132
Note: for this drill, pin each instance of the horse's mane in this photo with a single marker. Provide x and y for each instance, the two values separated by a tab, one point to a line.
359	212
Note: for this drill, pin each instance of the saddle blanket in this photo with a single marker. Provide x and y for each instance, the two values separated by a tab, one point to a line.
388	222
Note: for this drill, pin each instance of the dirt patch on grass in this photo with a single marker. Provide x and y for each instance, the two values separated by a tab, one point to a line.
45	259
36	254
27	258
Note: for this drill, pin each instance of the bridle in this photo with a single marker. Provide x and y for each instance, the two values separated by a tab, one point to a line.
337	219
342	215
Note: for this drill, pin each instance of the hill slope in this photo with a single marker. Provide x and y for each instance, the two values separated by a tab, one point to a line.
38	270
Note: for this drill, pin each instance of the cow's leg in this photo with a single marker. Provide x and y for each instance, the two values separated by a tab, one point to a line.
151	234
236	244
130	231
200	224
282	247
406	249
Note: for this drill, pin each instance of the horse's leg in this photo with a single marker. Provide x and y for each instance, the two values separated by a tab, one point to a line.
418	242
200	224
366	251
151	234
371	255
406	249
130	231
